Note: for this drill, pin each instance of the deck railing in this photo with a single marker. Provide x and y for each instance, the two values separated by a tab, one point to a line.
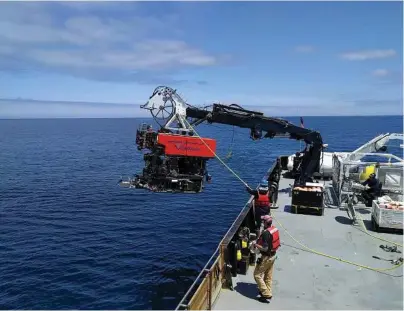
222	265
206	288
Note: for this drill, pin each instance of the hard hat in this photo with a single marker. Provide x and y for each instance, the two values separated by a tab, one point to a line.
266	218
366	172
263	185
263	188
264	182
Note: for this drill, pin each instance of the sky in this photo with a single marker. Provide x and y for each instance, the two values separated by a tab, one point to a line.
104	59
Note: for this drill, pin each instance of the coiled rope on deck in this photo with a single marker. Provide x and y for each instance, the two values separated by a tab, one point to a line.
366	231
290	235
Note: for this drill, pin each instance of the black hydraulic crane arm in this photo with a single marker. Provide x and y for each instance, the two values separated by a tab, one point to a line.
258	123
169	109
253	120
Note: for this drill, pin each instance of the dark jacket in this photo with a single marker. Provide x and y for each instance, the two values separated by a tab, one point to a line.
254	193
373	184
267	243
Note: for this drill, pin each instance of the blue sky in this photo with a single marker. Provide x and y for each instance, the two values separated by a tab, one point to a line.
290	58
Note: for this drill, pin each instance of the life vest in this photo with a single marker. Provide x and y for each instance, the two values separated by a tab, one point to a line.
276	242
262	201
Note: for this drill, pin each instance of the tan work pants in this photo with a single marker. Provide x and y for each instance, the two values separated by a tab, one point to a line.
263	275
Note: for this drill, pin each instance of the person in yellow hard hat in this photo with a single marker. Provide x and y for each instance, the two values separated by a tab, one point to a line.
373	191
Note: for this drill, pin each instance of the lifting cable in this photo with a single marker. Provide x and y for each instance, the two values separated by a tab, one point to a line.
230	151
215	154
287	232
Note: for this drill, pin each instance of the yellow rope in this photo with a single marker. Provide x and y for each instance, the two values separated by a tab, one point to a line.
280	224
374	236
334	257
235	174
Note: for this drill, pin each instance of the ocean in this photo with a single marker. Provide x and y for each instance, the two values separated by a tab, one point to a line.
71	238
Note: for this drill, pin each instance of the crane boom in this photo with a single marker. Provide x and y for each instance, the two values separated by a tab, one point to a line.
258	123
177	161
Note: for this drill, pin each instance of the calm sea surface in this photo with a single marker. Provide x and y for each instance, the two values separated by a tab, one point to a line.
70	238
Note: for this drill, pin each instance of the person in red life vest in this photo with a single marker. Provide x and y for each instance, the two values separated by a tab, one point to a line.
262	202
268	243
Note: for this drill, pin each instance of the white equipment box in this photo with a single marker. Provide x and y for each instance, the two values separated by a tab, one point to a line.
384	217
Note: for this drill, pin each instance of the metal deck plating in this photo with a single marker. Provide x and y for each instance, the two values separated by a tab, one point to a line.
303	280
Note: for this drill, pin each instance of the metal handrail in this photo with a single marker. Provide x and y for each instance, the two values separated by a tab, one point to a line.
181	304
204	269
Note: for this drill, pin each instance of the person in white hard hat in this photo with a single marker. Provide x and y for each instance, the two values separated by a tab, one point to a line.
262	202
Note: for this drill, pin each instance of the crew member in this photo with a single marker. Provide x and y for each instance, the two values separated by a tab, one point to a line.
268	243
373	191
262	202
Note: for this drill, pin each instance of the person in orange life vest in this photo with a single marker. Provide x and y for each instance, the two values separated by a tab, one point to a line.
262	202
268	243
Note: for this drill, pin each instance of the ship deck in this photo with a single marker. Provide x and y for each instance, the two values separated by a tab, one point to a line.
303	280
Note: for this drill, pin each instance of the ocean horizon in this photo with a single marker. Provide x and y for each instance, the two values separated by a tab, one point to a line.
151	118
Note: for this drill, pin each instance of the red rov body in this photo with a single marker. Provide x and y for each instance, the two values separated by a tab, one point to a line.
190	146
175	163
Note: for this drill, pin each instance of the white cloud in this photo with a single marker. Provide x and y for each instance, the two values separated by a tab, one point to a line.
316	105
25	12
380	72
156	55
99	6
304	49
85	44
368	54
159	54
47	109
280	101
384	77
15	33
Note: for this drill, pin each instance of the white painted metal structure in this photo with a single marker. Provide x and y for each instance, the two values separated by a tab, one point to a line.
374	145
348	167
168	109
